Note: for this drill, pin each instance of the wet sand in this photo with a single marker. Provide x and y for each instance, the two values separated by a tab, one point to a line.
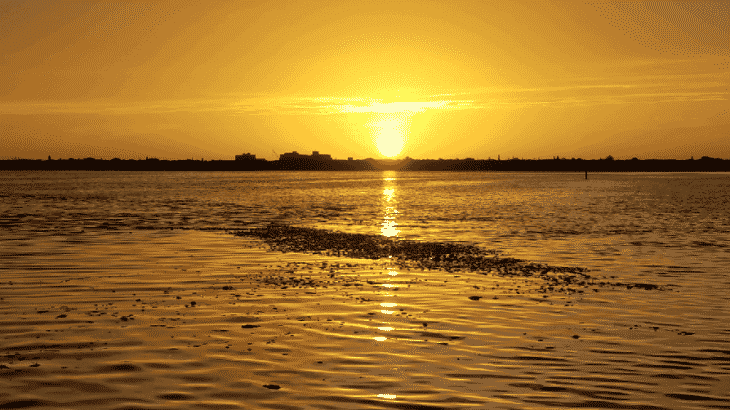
189	319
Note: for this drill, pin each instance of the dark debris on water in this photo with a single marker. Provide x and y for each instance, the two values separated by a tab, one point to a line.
408	254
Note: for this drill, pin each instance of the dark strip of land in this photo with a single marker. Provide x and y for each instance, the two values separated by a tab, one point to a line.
704	164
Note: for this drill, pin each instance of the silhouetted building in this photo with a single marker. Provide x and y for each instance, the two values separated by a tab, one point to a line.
246	157
291	155
317	155
295	155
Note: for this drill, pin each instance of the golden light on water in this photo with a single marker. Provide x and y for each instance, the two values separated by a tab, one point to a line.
389	226
389	229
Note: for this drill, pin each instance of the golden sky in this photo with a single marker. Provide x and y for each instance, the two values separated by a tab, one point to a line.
427	79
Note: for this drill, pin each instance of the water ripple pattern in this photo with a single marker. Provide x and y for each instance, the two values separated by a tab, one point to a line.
130	291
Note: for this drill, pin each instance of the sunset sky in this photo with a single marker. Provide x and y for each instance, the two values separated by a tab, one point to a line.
427	79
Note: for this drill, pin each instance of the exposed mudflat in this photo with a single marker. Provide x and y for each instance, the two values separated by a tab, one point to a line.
420	255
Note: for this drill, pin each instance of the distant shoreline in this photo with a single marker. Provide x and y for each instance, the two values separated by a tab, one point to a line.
704	164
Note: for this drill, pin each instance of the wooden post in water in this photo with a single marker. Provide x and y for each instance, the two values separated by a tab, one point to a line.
586	174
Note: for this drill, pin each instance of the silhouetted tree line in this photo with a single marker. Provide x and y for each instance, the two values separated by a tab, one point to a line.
557	164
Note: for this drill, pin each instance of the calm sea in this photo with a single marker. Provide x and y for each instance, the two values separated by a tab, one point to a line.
669	229
619	222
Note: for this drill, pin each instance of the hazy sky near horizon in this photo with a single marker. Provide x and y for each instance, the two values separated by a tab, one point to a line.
428	79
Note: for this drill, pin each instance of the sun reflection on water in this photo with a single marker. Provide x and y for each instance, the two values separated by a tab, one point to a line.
389	229
389	226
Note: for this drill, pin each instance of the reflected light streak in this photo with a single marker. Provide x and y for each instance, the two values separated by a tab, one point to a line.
389	226
386	328
387	312
388	229
393	273
386	304
387	396
380	338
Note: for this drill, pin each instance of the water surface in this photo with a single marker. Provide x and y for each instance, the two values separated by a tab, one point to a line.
340	333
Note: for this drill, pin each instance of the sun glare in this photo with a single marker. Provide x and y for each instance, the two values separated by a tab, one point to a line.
389	135
390	121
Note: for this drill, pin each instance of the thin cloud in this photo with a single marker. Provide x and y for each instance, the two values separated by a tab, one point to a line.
582	91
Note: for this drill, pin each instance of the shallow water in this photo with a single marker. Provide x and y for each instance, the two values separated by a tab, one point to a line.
621	220
82	251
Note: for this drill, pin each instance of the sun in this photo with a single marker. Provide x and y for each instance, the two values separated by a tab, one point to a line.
389	122
389	135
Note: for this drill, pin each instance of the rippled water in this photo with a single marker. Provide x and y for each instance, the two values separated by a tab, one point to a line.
513	348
